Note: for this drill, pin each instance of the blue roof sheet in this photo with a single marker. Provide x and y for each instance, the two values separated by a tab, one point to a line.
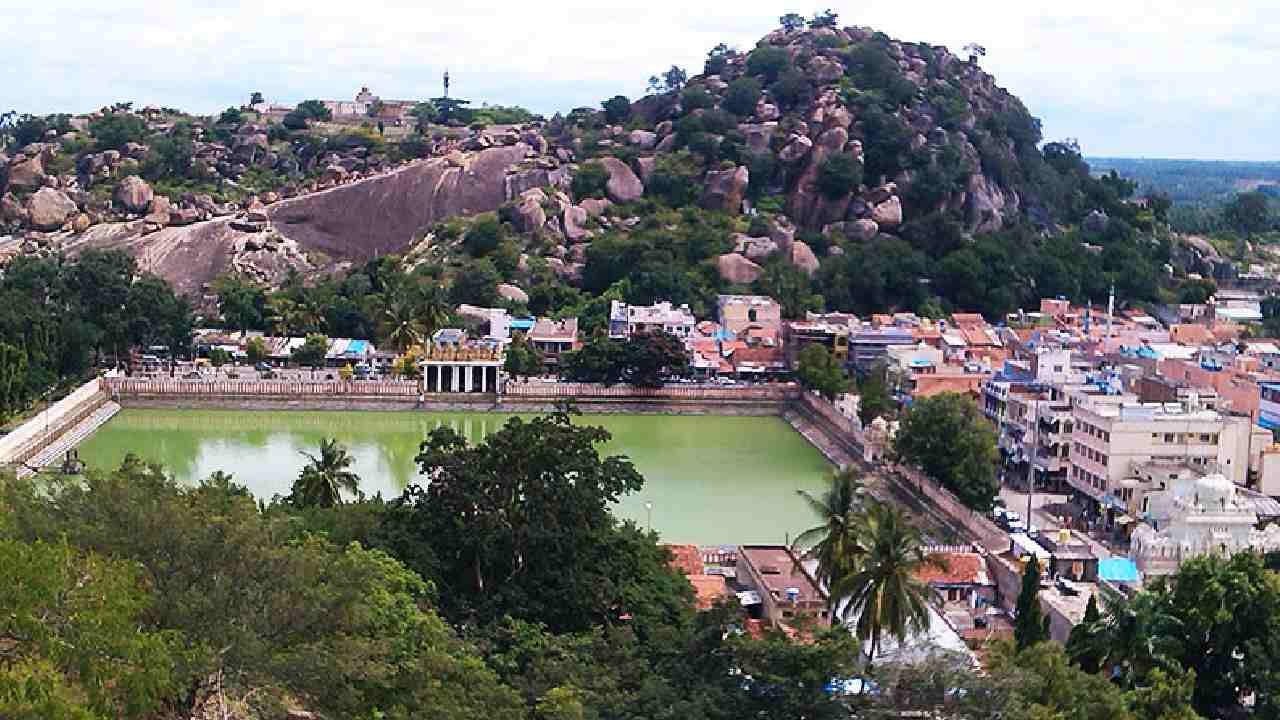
1118	569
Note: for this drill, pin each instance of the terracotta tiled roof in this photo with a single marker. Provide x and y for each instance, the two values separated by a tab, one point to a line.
960	569
686	558
707	589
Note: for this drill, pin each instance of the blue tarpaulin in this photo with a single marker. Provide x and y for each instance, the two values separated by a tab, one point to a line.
1118	569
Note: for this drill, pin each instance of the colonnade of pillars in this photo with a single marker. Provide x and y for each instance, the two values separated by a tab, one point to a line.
459	378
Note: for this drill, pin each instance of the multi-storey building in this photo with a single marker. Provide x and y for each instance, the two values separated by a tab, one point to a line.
627	320
1113	436
743	312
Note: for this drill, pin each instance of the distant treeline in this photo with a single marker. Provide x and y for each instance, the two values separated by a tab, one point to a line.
1195	182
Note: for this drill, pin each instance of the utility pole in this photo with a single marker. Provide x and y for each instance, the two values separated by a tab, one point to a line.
446	83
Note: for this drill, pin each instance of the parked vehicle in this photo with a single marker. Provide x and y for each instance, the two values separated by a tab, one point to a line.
192	375
263	367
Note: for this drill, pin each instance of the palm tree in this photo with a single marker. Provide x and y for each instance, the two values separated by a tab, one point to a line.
884	594
323	479
433	310
402	325
834	542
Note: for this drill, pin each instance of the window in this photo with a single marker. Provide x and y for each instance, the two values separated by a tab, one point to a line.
1168	438
1204	437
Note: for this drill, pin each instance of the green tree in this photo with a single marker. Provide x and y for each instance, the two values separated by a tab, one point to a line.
1043	684
786	679
836	542
1083	645
1248	213
768	62
617	110
313	110
241	302
255	350
476	284
74	636
791	22
114	130
484	236
741	96
838	176
650	358
874	399
1196	292
255	98
1030	625
219	357
326	477
402	325
1164	697
818	370
884	594
522	359
949	439
312	351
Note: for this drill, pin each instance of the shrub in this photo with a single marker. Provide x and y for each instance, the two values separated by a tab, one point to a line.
696	97
483	237
742	96
675	179
792	89
590	181
113	130
838	175
768	62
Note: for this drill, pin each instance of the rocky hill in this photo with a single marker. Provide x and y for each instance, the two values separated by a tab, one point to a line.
822	149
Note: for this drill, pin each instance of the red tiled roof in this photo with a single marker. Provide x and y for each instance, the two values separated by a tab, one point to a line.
707	589
686	558
960	569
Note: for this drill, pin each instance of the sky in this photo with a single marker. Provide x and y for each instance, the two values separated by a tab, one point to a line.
1127	78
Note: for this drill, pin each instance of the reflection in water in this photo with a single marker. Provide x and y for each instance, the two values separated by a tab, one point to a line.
709	480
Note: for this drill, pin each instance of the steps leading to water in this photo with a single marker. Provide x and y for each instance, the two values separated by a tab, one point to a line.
71	438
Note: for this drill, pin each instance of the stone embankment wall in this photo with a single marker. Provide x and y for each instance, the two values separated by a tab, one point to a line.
40	431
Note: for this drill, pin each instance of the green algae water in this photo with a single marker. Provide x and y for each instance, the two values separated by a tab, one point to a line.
708	479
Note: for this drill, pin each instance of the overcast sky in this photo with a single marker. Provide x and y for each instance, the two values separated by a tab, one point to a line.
1127	78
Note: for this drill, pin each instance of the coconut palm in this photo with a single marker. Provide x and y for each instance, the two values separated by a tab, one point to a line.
884	594
402	325
324	478
433	309
834	542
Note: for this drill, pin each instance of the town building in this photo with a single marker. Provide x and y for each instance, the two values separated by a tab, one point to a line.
628	320
554	338
833	334
788	593
452	363
739	313
1113	434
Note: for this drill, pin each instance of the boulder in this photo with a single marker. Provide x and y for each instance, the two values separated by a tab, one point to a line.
595	207
877	195
11	210
861	230
134	194
184	216
642	139
80	223
646	166
529	215
574	219
724	189
623	185
838	117
736	269
803	258
26	174
510	292
760	248
134	150
758	136
667	144
48	209
158	210
256	212
578	252
782	233
795	149
825	70
1095	222
888	213
664	128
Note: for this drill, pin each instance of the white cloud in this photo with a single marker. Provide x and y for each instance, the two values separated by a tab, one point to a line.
1126	77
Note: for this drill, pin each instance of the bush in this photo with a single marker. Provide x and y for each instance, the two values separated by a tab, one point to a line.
792	89
742	96
696	97
483	237
839	175
768	62
590	181
675	179
114	130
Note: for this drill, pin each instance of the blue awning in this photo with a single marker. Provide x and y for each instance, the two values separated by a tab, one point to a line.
1118	569
1264	421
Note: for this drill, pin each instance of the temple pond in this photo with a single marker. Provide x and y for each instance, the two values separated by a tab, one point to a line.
708	479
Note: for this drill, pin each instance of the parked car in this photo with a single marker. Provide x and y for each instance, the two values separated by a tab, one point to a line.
263	367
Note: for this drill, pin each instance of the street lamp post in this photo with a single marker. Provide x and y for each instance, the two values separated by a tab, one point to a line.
648	511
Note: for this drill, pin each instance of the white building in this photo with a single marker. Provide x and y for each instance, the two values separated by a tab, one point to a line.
1197	515
627	320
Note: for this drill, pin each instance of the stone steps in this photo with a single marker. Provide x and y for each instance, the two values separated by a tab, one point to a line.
52	454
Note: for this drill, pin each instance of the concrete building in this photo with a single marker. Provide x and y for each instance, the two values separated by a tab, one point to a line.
553	338
627	320
1113	435
454	364
742	312
787	592
834	336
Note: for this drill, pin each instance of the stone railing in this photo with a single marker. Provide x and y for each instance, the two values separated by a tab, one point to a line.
978	525
33	435
149	387
591	391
